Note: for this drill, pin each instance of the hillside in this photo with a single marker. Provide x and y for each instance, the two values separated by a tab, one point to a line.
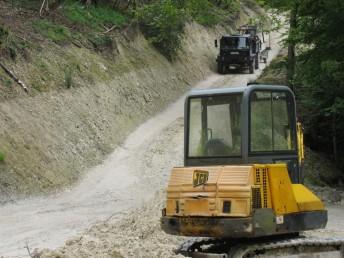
89	85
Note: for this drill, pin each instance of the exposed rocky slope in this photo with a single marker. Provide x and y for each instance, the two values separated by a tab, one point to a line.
50	138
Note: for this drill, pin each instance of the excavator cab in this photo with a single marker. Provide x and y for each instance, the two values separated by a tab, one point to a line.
242	167
255	124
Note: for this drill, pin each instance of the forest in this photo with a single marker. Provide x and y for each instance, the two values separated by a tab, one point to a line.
315	65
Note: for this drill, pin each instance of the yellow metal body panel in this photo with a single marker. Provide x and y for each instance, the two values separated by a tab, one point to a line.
224	184
306	200
300	145
236	191
283	199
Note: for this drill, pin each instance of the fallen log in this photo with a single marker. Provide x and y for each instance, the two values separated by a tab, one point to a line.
11	74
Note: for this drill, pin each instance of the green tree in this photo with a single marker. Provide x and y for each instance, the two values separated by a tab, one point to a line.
162	22
320	72
317	72
291	6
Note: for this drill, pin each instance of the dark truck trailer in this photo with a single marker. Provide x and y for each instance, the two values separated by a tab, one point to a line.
238	52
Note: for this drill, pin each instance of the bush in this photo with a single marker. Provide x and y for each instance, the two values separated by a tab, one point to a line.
100	42
54	32
93	16
2	157
162	23
68	77
202	12
4	37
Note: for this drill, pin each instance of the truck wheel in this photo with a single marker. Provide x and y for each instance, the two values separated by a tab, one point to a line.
251	68
221	68
256	62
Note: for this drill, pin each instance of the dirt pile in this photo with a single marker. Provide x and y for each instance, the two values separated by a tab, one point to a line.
138	235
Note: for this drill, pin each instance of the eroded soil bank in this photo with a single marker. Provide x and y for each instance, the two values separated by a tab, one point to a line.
51	138
134	175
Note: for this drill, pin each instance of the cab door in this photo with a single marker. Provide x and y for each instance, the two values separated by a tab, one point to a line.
272	130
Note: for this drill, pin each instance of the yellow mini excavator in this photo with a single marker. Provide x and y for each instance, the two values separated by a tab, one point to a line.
242	180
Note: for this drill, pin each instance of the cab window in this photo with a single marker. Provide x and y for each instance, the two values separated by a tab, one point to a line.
214	126
270	122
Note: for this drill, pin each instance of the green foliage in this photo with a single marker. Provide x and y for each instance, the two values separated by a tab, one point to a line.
4	37
7	82
100	42
52	31
162	23
318	33
262	3
2	156
202	12
93	16
319	77
27	4
68	80
210	13
11	44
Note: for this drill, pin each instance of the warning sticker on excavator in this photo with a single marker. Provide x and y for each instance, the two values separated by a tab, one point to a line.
200	177
279	220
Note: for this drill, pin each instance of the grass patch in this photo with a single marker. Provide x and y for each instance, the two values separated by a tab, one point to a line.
68	81
26	4
8	82
92	16
4	37
11	45
2	156
100	42
52	31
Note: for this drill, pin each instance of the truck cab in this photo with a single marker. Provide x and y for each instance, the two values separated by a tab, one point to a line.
237	52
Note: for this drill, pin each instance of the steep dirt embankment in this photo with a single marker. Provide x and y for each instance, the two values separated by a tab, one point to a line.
51	137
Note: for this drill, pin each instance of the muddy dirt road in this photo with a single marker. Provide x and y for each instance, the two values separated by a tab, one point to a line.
131	177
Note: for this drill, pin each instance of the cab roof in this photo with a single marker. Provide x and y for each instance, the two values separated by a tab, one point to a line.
233	90
237	36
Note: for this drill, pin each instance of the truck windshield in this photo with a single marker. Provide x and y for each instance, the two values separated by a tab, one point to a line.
234	42
214	125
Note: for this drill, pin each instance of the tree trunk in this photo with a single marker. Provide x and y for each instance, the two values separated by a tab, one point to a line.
334	139
291	46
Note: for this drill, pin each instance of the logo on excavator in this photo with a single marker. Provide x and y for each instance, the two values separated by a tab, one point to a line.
200	177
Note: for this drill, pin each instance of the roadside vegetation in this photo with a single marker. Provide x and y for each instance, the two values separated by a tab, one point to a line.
161	21
312	64
314	68
54	32
96	17
319	168
2	156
